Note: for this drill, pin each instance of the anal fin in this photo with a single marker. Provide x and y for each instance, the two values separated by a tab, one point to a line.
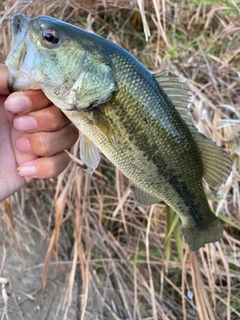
142	197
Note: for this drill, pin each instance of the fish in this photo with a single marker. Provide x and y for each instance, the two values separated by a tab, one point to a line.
140	121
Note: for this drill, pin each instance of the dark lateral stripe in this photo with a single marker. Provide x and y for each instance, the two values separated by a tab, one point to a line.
123	112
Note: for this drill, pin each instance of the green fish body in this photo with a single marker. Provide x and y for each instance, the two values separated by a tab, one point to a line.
139	121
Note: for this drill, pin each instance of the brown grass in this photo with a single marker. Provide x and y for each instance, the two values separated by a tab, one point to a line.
132	261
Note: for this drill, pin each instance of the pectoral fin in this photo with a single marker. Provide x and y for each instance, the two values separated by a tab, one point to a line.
142	197
103	126
89	154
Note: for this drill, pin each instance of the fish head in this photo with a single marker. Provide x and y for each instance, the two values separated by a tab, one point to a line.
61	60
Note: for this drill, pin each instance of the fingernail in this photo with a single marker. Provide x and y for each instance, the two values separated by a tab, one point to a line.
17	103
25	123
27	170
23	144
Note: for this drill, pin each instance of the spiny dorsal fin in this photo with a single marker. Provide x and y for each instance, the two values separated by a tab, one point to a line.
178	92
217	165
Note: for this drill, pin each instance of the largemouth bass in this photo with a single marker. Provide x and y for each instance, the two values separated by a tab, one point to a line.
138	120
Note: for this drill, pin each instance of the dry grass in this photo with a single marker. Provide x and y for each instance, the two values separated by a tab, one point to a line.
130	261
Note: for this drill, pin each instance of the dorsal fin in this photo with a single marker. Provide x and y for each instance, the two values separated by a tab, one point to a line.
217	165
178	93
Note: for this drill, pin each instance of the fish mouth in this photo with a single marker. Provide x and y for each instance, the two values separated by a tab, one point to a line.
19	29
24	56
32	57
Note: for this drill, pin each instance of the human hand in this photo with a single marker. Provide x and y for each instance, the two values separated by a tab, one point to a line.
33	136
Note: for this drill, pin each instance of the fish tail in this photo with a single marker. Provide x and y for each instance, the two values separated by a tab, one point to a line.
198	236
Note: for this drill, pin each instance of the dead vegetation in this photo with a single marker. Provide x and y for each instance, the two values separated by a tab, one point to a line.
131	262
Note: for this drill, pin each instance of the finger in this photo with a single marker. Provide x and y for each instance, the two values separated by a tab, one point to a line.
45	144
26	101
48	119
4	89
45	168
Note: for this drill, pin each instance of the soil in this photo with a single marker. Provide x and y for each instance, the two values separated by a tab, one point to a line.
23	270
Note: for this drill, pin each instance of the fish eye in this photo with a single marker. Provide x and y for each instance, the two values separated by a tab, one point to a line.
50	37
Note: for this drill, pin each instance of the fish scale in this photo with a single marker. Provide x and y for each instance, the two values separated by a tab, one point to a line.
139	121
154	160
